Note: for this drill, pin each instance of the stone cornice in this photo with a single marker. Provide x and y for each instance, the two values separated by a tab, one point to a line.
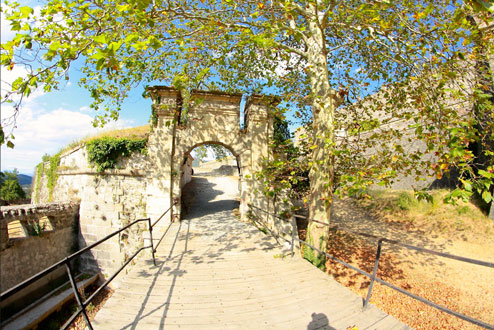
24	209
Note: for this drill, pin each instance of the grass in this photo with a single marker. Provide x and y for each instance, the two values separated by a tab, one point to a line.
138	132
397	206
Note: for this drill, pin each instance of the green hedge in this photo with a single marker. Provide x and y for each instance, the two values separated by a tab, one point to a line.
103	153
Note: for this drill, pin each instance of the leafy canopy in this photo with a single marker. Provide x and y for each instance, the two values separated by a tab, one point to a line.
219	151
427	60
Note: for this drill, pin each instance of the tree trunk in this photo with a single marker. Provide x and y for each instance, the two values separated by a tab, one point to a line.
321	172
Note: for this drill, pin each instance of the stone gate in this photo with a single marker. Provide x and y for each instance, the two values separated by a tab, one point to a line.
146	185
212	118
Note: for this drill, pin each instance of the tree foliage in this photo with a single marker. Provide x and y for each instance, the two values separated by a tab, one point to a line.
287	170
10	189
219	151
428	62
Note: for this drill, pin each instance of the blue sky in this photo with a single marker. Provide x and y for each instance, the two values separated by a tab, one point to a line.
48	122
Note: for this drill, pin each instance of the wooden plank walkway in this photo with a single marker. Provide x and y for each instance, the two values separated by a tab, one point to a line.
215	272
225	274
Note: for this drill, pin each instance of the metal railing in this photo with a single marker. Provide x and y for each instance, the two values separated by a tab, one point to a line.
373	277
67	263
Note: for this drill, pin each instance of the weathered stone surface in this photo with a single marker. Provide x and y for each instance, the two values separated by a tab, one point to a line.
21	258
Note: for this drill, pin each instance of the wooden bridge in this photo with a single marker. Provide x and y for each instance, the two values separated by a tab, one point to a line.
216	272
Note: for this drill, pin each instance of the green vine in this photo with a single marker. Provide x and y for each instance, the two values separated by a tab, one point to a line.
154	117
40	170
53	174
104	153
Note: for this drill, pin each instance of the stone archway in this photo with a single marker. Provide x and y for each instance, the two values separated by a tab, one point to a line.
213	117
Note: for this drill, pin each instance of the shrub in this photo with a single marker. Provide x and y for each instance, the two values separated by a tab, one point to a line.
103	153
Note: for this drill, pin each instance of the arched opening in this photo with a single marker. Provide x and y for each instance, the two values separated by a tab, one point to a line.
209	182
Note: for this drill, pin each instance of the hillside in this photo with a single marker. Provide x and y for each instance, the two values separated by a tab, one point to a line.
25	179
460	229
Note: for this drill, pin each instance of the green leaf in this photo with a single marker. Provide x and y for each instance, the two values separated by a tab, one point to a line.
486	174
486	5
100	39
131	38
486	196
467	184
122	8
26	11
15	25
17	83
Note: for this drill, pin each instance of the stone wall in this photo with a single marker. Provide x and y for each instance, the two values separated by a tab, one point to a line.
108	201
26	251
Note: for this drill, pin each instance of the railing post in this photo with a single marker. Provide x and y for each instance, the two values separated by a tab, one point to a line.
374	272
294	231
151	238
76	293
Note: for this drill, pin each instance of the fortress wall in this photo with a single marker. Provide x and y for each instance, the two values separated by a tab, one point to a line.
108	202
146	185
26	251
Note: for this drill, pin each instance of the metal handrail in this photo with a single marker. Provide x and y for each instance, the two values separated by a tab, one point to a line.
153	250
66	262
374	277
164	213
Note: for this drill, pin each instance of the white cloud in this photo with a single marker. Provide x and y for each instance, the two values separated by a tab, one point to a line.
39	132
6	34
283	67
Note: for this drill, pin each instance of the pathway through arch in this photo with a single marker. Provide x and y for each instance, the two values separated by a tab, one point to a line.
216	272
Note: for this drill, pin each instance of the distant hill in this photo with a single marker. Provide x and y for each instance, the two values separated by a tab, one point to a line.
25	179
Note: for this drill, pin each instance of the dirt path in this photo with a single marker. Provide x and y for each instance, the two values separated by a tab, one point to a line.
460	286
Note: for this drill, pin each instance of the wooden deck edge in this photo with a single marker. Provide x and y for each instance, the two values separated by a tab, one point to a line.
35	313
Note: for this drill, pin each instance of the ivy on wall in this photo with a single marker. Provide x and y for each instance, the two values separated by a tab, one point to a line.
40	170
154	117
51	173
103	153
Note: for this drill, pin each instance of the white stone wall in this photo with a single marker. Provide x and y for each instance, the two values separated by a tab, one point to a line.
108	201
